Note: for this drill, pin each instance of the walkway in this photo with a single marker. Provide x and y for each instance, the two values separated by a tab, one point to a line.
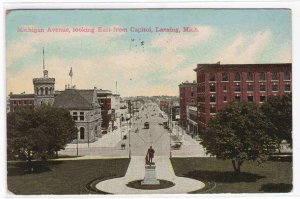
136	171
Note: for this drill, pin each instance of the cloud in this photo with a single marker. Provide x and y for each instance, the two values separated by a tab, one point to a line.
243	49
178	76
183	40
284	55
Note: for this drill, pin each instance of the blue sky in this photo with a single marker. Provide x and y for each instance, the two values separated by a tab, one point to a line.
159	65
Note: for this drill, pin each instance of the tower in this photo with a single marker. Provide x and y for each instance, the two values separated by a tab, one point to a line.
44	87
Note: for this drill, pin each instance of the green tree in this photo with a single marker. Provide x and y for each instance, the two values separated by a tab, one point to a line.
278	110
39	133
240	132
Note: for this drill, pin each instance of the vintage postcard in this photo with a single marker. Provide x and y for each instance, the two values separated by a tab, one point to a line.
149	101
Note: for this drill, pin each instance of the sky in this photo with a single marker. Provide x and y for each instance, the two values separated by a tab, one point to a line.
144	63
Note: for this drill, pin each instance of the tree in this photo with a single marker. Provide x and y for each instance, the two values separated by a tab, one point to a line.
240	132
39	133
278	110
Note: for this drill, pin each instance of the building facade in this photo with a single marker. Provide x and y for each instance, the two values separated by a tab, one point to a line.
21	101
220	84
85	110
187	96
192	120
44	89
104	99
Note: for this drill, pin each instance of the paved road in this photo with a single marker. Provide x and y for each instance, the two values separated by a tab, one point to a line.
156	136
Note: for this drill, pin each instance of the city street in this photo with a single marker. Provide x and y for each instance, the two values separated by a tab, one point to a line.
140	139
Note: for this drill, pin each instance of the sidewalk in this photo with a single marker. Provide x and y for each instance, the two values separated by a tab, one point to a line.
136	171
111	139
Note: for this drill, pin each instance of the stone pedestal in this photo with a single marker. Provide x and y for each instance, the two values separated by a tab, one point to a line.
150	176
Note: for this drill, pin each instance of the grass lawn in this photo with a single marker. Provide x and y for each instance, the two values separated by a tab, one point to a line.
272	176
62	177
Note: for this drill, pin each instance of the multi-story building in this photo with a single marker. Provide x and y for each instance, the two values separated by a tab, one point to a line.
220	84
187	96
192	120
164	105
85	110
21	101
115	109
104	99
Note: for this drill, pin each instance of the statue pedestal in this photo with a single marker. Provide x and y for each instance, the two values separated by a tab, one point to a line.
150	176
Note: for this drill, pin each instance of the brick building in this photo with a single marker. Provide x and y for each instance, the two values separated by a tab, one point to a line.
21	101
164	105
220	84
104	99
187	96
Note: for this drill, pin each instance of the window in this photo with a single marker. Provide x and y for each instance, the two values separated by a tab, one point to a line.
250	98
274	76
81	116
192	94
30	102
75	116
237	88
250	88
262	76
237	98
213	110
224	77
287	87
81	133
19	102
262	98
212	77
42	91
25	102
213	88
250	76
46	91
287	75
212	99
274	88
15	102
224	88
262	88
225	98
237	77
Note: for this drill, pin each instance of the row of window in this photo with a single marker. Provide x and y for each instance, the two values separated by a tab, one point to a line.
250	88
25	102
250	76
79	117
42	91
212	99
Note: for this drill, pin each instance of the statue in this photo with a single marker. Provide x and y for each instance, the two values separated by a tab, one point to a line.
149	156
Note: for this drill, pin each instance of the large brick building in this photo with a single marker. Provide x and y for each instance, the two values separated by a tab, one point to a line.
187	96
220	84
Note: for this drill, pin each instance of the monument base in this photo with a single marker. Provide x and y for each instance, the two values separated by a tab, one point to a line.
150	176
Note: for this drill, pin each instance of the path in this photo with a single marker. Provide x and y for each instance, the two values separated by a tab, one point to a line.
136	171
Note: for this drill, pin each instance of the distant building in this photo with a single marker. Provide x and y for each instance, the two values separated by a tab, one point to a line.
192	120
21	101
187	96
85	110
115	109
220	84
104	99
175	111
164	105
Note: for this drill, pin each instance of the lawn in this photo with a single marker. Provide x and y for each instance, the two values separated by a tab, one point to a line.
62	177
271	176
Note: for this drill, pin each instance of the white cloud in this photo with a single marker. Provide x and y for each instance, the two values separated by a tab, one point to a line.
284	55
182	40
243	49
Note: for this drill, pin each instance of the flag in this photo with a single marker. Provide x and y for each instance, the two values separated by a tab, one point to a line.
71	73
